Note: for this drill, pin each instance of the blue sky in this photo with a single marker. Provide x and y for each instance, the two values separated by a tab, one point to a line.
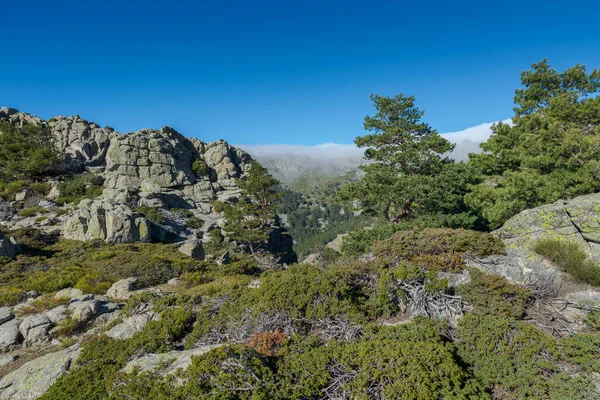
293	72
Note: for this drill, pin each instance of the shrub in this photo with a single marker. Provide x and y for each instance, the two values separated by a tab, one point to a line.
32	211
582	350
437	249
200	168
494	295
512	357
194	223
10	189
154	214
78	187
67	326
93	282
266	343
42	188
570	258
592	320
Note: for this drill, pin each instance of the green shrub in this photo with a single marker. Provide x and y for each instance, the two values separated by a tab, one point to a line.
200	168
438	249
78	187
154	214
93	282
592	320
570	258
218	206
514	358
194	223
494	295
582	350
41	188
10	189
32	211
67	326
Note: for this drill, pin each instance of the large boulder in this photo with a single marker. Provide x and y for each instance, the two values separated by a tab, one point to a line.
7	247
107	221
6	210
34	378
34	328
576	220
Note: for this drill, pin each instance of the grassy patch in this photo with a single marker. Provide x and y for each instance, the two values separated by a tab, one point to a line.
32	211
570	258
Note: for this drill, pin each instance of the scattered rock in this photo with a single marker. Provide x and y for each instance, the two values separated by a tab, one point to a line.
34	328
70	293
130	326
35	377
174	282
10	336
193	248
57	314
6	210
167	363
313	258
122	289
84	311
6	314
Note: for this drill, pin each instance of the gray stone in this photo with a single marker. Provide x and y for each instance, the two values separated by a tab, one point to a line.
6	210
113	223
34	378
167	363
84	311
174	282
129	326
10	336
7	248
70	293
34	328
193	248
8	359
585	298
122	289
6	314
57	314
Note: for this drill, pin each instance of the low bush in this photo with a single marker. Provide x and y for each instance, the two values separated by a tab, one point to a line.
200	168
437	249
8	190
41	188
570	258
154	214
32	211
78	187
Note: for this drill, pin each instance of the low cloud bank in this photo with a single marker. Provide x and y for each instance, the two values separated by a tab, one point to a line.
467	141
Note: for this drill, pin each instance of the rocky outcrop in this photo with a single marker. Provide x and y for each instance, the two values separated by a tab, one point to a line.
6	210
576	220
35	377
7	247
130	326
112	223
10	336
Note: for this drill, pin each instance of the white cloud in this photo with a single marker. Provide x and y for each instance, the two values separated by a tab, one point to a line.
467	141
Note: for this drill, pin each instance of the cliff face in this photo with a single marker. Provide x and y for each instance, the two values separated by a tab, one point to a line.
151	168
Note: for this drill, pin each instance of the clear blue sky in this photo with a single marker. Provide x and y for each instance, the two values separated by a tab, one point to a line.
297	72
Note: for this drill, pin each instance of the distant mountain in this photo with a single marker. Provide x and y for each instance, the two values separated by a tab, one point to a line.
288	163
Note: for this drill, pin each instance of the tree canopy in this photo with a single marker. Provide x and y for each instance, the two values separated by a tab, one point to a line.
550	151
409	173
248	221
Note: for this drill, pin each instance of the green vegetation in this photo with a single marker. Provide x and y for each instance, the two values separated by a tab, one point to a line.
154	214
200	168
32	211
28	152
570	258
551	151
249	219
409	175
77	188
